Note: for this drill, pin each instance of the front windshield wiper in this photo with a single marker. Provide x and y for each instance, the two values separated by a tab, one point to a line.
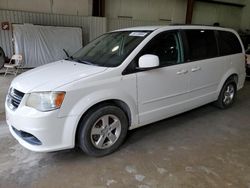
80	61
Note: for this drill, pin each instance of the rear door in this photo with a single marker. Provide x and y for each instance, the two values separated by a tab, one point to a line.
206	69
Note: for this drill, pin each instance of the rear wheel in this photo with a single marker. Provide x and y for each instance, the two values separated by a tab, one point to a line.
102	130
227	95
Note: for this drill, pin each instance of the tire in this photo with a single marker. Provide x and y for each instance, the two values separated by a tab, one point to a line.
227	95
102	130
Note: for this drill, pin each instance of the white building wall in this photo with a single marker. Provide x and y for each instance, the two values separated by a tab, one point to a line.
228	16
92	27
173	11
119	23
208	14
66	7
245	19
148	10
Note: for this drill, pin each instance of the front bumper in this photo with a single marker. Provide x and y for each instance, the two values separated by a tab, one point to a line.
54	133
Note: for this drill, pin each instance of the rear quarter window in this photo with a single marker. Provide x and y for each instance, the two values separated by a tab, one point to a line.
228	43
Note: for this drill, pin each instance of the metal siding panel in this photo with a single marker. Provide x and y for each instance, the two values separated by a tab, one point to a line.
32	18
120	23
92	27
5	42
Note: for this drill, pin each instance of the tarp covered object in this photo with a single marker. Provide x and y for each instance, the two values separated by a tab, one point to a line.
40	45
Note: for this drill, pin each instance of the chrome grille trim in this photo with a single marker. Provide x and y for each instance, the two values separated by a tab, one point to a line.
14	98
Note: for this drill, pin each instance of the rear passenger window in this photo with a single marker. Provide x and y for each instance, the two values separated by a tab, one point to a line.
201	44
228	43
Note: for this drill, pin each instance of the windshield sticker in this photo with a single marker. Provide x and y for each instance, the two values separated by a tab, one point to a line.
138	34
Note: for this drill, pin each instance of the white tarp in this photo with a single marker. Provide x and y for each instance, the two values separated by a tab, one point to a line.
44	44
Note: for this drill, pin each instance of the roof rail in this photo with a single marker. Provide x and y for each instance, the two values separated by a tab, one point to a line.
193	25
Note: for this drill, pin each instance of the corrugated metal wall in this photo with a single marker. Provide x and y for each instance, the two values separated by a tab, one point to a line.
91	26
120	23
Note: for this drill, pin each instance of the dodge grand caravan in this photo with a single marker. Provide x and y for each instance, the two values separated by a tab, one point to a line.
123	80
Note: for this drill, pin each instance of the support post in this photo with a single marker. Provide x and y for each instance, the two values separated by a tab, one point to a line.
189	13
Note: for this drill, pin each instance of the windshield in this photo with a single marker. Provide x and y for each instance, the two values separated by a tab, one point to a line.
111	49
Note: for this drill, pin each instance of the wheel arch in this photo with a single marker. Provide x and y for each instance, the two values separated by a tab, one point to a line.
116	102
232	74
233	80
233	77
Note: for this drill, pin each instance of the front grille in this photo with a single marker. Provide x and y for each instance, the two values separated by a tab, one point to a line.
14	98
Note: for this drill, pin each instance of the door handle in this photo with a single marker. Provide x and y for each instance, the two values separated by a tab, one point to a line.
195	69
182	72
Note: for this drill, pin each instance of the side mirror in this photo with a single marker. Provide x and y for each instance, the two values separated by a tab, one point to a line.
148	61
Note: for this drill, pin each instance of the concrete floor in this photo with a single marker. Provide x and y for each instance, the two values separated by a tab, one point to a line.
205	147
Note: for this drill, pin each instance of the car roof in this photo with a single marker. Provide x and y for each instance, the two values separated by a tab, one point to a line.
170	27
141	28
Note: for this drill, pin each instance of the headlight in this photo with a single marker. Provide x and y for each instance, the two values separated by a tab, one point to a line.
45	101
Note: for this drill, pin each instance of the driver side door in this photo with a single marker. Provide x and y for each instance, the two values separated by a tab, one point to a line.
163	91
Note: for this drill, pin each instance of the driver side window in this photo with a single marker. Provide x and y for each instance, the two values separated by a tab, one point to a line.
166	46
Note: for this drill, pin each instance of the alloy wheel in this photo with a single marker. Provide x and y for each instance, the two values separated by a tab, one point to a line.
105	131
229	94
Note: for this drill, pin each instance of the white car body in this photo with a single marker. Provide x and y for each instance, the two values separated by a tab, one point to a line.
146	99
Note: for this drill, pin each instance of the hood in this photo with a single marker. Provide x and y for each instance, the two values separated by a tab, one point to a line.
53	75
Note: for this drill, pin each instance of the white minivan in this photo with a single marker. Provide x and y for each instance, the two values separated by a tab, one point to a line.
123	80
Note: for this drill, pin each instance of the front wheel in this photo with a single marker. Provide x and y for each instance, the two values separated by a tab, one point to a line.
227	95
102	130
